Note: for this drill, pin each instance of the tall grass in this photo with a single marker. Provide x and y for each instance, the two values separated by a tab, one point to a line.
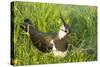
82	39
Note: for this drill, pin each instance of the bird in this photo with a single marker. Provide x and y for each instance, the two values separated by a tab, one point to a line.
45	42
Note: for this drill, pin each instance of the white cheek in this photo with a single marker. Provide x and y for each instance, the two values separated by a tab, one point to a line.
61	34
62	27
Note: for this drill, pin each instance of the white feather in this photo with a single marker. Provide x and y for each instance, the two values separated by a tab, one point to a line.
57	52
61	32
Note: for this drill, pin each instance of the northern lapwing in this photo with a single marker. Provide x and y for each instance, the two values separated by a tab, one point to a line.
50	41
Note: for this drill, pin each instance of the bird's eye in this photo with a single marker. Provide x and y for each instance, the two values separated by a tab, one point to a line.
67	31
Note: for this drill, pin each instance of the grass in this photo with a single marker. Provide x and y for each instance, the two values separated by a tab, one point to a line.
82	39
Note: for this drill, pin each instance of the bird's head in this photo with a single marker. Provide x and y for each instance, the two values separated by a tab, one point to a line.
64	29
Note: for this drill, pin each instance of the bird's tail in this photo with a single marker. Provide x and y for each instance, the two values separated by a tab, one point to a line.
26	25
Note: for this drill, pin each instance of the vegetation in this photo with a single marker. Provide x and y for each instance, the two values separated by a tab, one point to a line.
82	39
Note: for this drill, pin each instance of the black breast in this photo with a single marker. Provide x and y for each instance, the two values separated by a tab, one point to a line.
61	45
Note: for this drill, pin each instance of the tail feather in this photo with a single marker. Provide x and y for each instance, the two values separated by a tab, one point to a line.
27	21
25	24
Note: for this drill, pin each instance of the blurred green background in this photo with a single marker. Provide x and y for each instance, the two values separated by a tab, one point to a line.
82	39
